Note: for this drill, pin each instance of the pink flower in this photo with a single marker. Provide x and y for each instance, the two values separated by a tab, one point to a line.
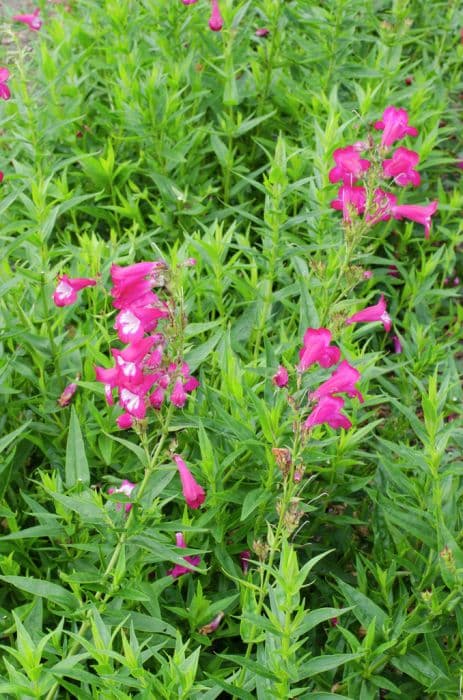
342	381
66	397
367	274
5	93
394	126
349	166
350	199
280	379
262	32
400	167
216	19
178	396
416	212
157	398
377	312
328	410
317	348
189	2
32	21
125	488
178	569
397	344
67	288
193	493
1	176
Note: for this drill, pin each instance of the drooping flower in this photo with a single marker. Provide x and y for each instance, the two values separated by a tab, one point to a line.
32	20
5	93
67	288
401	167
342	381
280	378
377	312
328	410
126	489
349	165
394	126
212	625
416	212
193	493
66	397
350	199
317	348
216	19
178	569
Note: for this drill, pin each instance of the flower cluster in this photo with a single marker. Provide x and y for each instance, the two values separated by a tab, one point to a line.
143	374
374	203
317	349
215	19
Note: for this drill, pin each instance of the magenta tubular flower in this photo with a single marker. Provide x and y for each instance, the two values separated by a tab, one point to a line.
328	410
263	31
317	348
178	569
125	488
377	312
193	493
401	167
416	212
67	288
1	177
350	199
216	19
66	397
157	398
32	20
342	381
394	126
189	2
349	166
280	378
5	93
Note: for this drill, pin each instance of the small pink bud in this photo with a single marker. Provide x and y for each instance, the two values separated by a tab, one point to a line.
178	396
216	19
280	379
262	32
244	558
367	274
66	397
397	344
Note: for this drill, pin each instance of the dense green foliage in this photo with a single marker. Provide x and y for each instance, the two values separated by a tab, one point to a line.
135	133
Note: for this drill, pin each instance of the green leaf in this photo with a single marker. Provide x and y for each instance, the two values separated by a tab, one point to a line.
44	589
363	608
76	467
320	664
6	440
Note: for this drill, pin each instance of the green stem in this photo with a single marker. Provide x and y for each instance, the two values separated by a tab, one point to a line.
102	597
